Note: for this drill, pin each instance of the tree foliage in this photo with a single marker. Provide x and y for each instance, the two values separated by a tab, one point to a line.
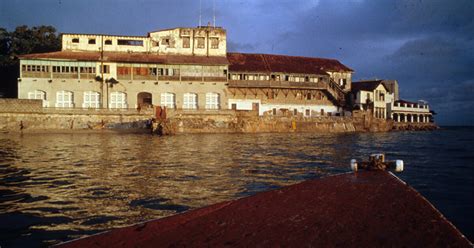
23	40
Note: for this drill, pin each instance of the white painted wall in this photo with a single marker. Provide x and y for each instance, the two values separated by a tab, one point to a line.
243	104
154	43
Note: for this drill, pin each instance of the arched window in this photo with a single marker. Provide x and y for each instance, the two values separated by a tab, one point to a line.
212	101
64	99
118	100
190	101
39	95
168	100
91	99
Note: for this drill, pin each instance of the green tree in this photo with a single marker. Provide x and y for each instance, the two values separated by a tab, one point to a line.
23	40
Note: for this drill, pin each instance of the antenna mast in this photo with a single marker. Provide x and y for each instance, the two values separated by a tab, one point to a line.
214	12
200	12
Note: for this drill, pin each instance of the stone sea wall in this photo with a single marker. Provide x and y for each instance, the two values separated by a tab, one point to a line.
29	116
213	123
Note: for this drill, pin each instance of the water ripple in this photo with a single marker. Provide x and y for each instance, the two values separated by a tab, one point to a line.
56	187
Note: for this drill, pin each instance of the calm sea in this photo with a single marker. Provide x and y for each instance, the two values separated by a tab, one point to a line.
57	187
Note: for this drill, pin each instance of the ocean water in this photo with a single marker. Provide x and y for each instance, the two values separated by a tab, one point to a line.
57	187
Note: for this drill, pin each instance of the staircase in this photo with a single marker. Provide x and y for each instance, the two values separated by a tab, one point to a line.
336	92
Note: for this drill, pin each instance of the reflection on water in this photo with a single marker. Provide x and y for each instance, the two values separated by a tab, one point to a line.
55	187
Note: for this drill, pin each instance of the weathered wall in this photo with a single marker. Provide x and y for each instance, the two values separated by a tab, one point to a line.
414	126
58	121
249	122
29	114
364	121
10	105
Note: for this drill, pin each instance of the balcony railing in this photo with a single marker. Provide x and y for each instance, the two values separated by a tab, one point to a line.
65	75
30	74
168	78
276	84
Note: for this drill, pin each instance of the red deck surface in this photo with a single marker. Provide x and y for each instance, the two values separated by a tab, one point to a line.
367	209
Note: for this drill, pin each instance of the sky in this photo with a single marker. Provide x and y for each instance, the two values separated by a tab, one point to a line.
427	45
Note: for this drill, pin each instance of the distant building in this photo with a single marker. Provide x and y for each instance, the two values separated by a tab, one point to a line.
376	96
371	96
180	68
405	111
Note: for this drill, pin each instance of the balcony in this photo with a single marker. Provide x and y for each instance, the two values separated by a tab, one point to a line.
29	74
277	84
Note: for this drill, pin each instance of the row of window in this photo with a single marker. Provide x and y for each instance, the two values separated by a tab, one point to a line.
147	71
58	69
120	42
289	78
190	100
200	42
92	99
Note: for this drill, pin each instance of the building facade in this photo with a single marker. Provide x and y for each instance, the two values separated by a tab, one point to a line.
181	68
282	85
371	96
381	97
178	68
411	112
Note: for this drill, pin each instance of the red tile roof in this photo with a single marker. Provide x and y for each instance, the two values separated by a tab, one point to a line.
267	63
129	57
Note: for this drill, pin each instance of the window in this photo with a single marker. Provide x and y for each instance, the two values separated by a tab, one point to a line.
91	41
122	70
212	101
64	99
190	101
165	41
108	42
308	96
123	42
39	95
214	43
186	42
105	69
118	100
152	71
75	40
89	70
168	100
200	42
91	99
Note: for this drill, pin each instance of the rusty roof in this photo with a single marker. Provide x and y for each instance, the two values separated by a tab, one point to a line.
129	58
367	85
267	63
